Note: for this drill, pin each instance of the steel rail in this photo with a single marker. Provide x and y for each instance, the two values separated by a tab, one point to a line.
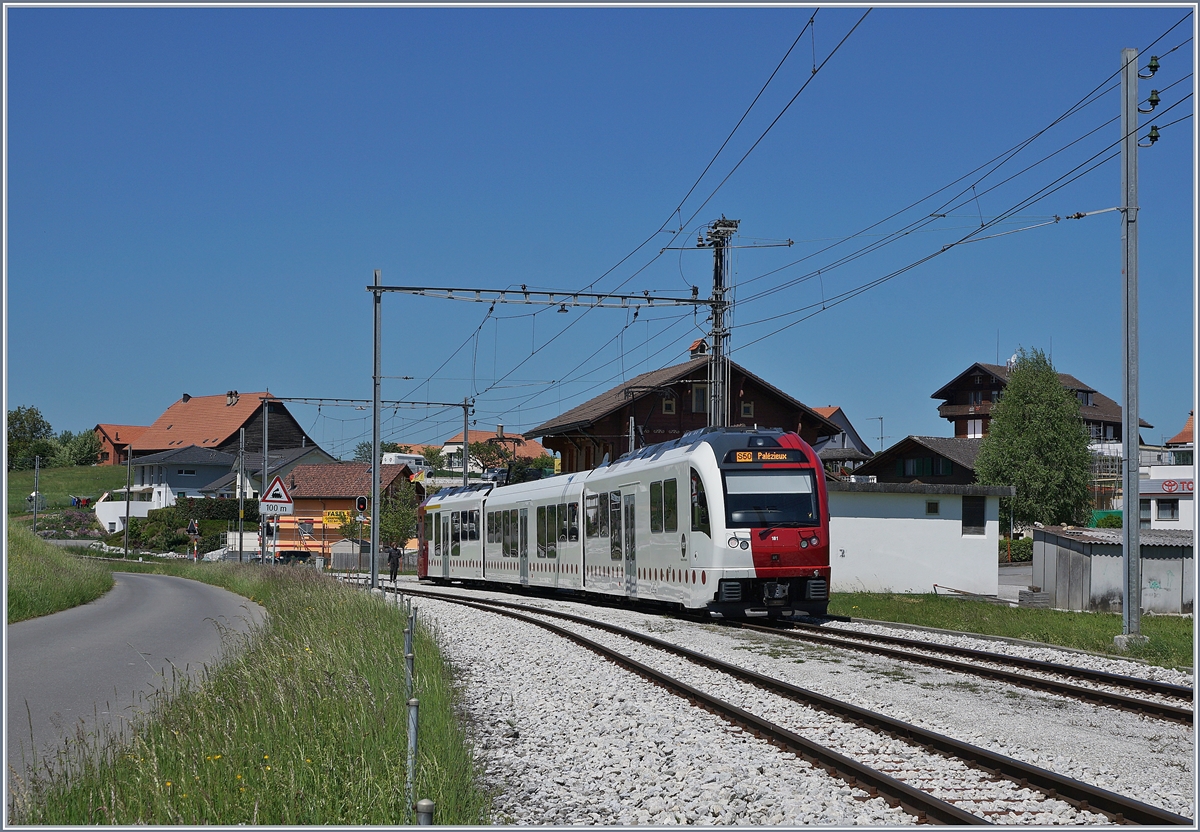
1159	710
920	804
1103	677
1083	795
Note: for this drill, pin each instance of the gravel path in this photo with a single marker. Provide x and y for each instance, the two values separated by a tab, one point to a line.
565	738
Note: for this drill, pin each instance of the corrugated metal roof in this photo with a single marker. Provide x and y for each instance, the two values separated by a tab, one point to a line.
1147	537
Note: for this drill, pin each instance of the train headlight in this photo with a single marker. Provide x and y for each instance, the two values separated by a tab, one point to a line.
803	543
745	544
733	543
814	540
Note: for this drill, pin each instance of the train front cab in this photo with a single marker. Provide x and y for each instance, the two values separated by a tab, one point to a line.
774	517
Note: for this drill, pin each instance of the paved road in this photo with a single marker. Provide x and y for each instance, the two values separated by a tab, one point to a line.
92	667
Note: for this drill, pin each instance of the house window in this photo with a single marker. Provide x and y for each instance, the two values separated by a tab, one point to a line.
1168	509
1085	397
1144	514
997	395
186	472
974	397
699	398
974	428
668	405
918	467
305	528
942	467
974	515
112	527
1093	430
932	508
747	410
978	379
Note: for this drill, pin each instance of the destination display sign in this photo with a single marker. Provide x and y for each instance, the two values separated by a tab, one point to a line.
758	456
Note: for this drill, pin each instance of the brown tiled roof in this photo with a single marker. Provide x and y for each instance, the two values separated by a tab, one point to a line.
959	451
644	385
113	432
526	448
1103	408
205	421
339	480
1185	436
827	412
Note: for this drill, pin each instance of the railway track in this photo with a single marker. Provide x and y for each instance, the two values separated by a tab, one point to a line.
1049	676
899	769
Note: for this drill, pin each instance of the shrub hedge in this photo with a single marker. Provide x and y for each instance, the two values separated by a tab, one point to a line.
1022	550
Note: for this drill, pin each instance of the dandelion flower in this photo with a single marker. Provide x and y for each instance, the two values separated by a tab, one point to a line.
268	768
168	784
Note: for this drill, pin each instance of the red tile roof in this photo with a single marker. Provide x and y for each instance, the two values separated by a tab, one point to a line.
204	421
827	412
339	480
1187	435
113	432
526	448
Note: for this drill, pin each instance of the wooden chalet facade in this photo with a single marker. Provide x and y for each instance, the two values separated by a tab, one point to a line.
214	422
968	401
665	404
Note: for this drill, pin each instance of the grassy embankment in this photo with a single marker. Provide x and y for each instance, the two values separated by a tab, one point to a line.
58	484
1170	645
308	725
43	579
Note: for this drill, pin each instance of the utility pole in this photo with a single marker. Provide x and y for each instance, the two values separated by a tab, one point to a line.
262	486
37	494
241	487
466	446
718	360
128	485
376	456
1131	609
881	437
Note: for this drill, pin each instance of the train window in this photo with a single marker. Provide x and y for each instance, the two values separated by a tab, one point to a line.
515	535
591	515
551	531
770	498
656	507
506	535
522	531
455	533
541	531
491	527
573	522
699	505
437	535
670	506
473	523
562	523
604	514
614	522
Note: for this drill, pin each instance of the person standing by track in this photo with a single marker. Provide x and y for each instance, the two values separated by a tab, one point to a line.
394	562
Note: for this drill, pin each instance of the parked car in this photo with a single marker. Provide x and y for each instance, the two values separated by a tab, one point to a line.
496	475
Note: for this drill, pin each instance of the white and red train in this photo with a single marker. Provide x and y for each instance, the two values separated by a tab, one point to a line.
732	521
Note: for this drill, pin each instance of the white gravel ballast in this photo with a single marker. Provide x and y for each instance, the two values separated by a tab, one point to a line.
565	738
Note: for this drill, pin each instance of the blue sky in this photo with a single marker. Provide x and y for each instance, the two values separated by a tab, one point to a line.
197	199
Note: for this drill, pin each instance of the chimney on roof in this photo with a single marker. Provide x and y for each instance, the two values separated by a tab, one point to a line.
699	348
231	398
500	430
186	398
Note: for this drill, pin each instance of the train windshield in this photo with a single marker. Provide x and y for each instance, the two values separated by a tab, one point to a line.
770	498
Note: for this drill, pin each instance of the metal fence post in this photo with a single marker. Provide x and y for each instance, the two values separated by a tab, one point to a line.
413	705
425	812
408	674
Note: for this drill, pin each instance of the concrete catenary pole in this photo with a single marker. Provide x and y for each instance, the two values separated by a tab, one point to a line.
376	513
466	445
719	235
1131	615
241	488
262	486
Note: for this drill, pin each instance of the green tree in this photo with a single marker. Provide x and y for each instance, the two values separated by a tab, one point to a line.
399	517
29	435
362	451
434	456
1037	442
488	454
76	449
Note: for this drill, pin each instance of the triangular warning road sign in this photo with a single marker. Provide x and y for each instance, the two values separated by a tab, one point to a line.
276	493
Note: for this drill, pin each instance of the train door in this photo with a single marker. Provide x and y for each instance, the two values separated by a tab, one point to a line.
523	536
630	547
446	543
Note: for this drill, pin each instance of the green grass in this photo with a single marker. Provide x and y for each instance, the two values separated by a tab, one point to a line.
43	579
307	725
58	484
1170	645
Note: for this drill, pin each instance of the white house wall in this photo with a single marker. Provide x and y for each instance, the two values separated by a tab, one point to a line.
113	512
884	542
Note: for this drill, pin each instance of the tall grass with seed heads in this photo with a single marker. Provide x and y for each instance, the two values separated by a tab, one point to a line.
307	724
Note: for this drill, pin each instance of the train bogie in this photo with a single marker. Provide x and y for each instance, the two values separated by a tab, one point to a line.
731	521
